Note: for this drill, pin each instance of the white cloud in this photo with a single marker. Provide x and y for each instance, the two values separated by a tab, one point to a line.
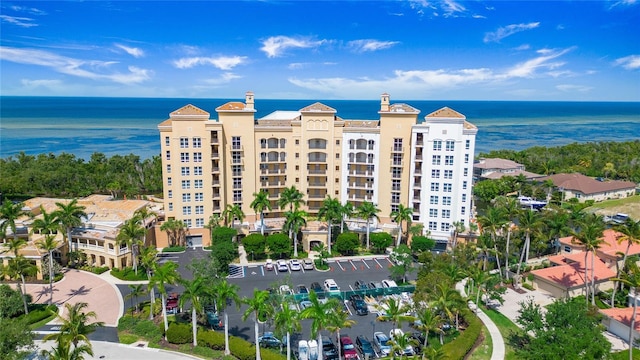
365	45
523	47
623	3
40	83
297	66
29	10
573	88
528	68
18	21
631	62
221	62
508	30
276	45
452	8
223	79
89	69
135	52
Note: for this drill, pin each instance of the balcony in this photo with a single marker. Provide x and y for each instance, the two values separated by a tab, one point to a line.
317	171
272	184
215	195
274	195
417	171
237	162
317	159
361	185
418	157
417	185
214	140
360	173
236	147
320	195
320	184
215	183
215	155
396	163
419	142
397	149
215	169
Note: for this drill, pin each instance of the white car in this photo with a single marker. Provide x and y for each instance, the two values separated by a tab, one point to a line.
282	265
268	265
307	264
394	333
382	343
330	285
285	290
294	265
389	284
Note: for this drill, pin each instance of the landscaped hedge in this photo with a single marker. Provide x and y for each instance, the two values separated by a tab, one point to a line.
41	313
141	327
211	339
173	249
179	333
129	274
458	348
241	349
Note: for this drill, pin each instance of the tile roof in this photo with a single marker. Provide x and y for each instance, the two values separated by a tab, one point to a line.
318	107
623	315
188	110
231	106
610	246
362	123
572	275
497	163
587	185
402	108
446	112
497	175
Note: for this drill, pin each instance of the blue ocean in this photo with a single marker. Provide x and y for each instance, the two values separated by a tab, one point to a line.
83	125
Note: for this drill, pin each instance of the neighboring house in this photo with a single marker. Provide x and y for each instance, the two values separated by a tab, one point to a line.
585	188
618	321
495	168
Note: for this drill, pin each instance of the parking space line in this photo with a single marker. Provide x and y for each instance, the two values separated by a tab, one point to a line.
351	287
390	262
301	268
262	269
365	264
354	266
347	306
379	266
338	262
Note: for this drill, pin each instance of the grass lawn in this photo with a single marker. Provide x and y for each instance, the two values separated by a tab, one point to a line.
506	327
484	350
630	206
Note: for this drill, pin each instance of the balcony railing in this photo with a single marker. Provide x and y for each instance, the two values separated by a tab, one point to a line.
397	149
317	195
317	171
215	155
394	162
214	140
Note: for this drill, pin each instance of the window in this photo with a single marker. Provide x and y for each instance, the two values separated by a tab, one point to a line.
197	184
169	181
236	170
184	171
435	186
395	185
283	143
235	143
435	160
396	172
170	194
337	142
197	157
464	185
237	183
337	155
450	145
448	160
236	157
463	210
467	144
197	170
433	225
448	174
446	200
199	222
237	195
186	184
395	198
397	144
437	145
199	209
170	206
444	227
186	197
297	155
435	174
446	214
168	168
464	197
466	171
197	142
184	157
184	142
199	197
466	158
446	187
186	210
166	141
433	212
433	200
168	155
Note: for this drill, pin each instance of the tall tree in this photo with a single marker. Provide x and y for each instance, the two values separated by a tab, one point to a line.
403	214
193	292
135	291
149	261
589	235
458	228
319	312
287	321
166	274
395	311
632	279
63	351
76	326
131	234
225	292
145	217
259	205
428	321
176	231
630	231
446	300
257	306
49	244
294	221
330	211
492	222
70	215
290	196
346	211
232	212
19	268
338	320
511	208
528	222
367	211
9	214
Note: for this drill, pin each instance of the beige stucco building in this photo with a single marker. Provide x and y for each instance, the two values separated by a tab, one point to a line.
209	163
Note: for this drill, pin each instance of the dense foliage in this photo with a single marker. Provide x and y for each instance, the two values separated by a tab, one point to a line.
614	160
347	243
65	175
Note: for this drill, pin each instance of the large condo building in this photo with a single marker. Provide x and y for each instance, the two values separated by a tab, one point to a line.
398	159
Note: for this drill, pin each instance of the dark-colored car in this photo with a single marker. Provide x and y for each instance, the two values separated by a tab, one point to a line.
375	285
343	306
358	304
172	303
361	285
268	340
329	349
364	345
419	338
347	347
301	289
315	286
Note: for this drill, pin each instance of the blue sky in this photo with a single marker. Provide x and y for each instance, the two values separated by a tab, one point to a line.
413	50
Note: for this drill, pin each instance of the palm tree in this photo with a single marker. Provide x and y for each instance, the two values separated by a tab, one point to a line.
149	261
346	212
556	224
20	267
511	209
458	228
319	312
136	290
528	222
166	274
9	214
589	235
398	216
260	204
287	320
49	244
339	319
395	311
70	215
131	235
224	292
213	223
62	351
76	326
330	211
630	231
232	212
367	210
258	306
292	197
447	300
295	220
176	231
399	342
493	221
142	215
428	321
193	292
632	280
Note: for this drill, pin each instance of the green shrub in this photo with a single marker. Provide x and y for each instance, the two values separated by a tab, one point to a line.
179	334
100	270
242	349
41	313
148	330
126	323
528	286
129	274
212	339
458	348
173	249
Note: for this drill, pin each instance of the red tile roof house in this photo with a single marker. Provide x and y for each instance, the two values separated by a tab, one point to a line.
566	277
585	188
618	322
495	168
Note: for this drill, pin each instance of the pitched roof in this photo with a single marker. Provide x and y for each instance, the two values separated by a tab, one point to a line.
497	163
572	275
610	245
587	185
231	106
623	315
497	175
318	107
446	112
402	108
188	110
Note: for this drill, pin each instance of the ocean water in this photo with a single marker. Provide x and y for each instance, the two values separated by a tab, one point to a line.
82	126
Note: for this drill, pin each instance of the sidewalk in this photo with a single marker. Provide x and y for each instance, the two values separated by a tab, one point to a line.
312	255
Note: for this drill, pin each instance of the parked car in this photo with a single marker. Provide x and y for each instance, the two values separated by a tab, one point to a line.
360	285
340	302
315	286
419	338
358	304
172	303
307	264
301	289
364	345
268	265
330	285
212	318
305	304
347	347
382	343
285	290
408	350
282	265
389	283
294	265
268	340
375	285
329	349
